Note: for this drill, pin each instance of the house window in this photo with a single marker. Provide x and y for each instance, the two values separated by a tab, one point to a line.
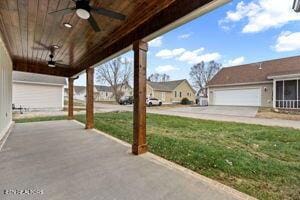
299	89
287	94
175	93
180	94
106	94
290	90
188	94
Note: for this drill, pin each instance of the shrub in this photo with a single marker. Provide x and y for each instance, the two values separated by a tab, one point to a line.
185	101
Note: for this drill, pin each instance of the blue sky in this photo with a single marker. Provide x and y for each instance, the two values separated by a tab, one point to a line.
238	33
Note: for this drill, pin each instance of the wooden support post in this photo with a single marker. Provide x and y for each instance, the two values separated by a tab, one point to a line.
89	98
71	98
139	145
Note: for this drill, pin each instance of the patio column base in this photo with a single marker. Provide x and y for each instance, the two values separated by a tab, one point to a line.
139	149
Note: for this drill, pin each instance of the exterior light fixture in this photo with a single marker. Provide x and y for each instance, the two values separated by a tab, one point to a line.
296	6
82	13
68	25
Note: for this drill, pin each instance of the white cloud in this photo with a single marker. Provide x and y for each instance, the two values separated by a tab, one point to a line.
234	62
288	41
166	53
191	57
165	69
262	15
184	36
196	56
157	42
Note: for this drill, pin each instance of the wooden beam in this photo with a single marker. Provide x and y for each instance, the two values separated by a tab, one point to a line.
41	68
71	98
139	145
177	10
89	98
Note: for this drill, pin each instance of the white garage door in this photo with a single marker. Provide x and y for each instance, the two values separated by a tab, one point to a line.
37	96
238	97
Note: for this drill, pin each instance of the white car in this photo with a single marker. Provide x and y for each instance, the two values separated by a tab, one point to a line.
153	102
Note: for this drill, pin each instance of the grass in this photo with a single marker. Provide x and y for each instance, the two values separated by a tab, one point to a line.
259	160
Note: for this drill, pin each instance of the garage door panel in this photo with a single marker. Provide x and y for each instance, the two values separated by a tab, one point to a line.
37	96
238	97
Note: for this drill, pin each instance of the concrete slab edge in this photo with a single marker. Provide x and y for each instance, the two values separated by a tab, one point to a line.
106	135
9	130
171	165
216	184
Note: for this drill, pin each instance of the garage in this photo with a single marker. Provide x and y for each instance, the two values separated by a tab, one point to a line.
35	91
238	97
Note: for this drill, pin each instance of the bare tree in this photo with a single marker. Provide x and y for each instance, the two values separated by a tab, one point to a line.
156	77
117	74
202	72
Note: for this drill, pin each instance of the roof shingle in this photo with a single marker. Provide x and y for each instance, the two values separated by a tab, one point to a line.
256	72
38	78
165	86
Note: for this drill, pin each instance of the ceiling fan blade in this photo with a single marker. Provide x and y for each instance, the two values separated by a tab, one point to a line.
109	13
39	49
93	23
43	45
61	65
63	11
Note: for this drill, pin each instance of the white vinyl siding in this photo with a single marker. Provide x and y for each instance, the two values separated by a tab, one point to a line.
5	90
37	96
238	97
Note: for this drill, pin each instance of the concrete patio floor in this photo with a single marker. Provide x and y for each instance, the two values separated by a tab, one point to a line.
64	161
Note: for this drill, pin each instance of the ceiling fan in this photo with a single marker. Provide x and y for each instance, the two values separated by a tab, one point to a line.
52	48
52	63
84	10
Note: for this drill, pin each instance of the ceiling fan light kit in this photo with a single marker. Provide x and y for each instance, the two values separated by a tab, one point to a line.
51	64
84	11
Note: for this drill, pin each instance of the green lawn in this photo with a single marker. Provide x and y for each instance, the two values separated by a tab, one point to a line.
258	160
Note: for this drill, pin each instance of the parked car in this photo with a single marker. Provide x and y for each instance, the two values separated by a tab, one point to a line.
153	102
126	100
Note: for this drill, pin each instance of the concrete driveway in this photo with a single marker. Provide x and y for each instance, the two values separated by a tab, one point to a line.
240	111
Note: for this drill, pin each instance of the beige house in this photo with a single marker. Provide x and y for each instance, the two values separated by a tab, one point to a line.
171	91
105	93
101	92
273	83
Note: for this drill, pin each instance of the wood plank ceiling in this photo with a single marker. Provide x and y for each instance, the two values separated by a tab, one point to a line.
26	24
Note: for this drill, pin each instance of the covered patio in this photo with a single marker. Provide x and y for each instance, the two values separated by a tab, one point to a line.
61	160
61	38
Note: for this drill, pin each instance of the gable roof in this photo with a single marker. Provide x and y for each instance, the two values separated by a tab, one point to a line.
256	72
38	78
79	89
168	85
103	88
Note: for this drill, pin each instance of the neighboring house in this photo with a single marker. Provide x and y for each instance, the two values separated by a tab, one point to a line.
105	93
79	93
36	91
101	93
201	97
273	83
171	91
